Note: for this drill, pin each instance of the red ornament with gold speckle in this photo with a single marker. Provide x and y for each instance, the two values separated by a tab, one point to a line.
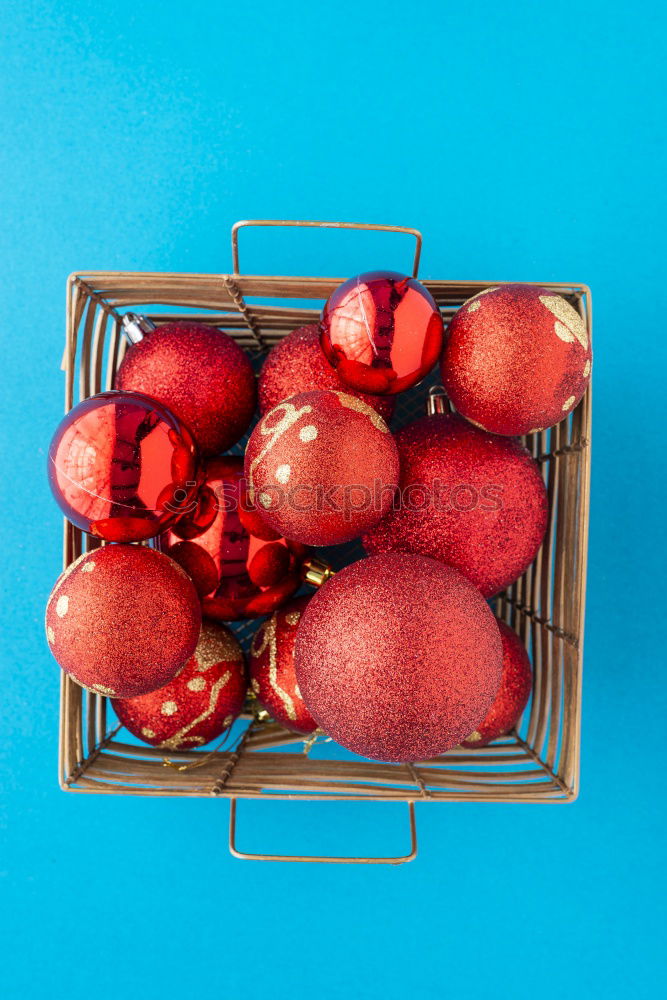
513	694
382	332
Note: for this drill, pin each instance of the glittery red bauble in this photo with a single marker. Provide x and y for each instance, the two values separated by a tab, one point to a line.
240	567
381	331
512	697
398	657
297	364
517	359
201	374
122	467
322	467
272	673
123	620
470	499
199	704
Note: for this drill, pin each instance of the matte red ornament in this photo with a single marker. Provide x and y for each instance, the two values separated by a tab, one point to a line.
123	620
513	693
240	566
201	374
398	657
382	332
468	498
517	359
272	673
122	467
321	467
199	704
297	364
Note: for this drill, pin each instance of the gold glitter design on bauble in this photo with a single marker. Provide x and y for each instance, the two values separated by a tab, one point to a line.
473	302
216	646
196	684
283	472
274	432
62	605
255	685
150	733
175	741
50	634
89	567
587	369
102	689
308	433
474	737
358	405
169	708
265	500
570	325
269	641
474	306
568	402
292	617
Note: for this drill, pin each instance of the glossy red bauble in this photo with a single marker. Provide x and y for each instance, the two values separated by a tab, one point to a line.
122	467
470	499
398	657
297	364
240	566
513	694
123	620
517	359
271	666
201	374
199	704
382	332
321	467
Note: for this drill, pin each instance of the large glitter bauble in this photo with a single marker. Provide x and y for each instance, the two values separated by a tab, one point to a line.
122	467
297	364
382	332
201	374
239	565
322	467
398	657
468	498
513	694
517	359
199	704
272	673
123	620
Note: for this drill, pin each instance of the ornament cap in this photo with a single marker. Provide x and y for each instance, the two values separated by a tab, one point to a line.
316	571
135	327
437	401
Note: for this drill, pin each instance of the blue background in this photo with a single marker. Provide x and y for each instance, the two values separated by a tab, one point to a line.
526	141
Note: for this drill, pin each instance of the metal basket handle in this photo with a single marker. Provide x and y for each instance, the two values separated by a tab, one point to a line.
324	225
401	859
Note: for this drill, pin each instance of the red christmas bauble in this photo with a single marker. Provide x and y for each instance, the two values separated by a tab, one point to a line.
201	374
517	359
322	467
123	620
512	697
272	673
197	705
239	565
382	332
297	364
122	467
473	500
398	657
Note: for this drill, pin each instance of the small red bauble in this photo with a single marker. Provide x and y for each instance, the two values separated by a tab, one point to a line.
199	704
322	467
470	499
513	693
382	332
122	467
517	359
201	374
123	620
272	673
297	364
398	657
240	566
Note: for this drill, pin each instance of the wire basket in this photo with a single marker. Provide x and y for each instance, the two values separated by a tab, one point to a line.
538	762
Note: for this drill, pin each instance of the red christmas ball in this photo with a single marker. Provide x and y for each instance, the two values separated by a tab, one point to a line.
470	499
123	620
272	673
322	467
240	567
517	359
201	374
382	332
122	467
197	705
297	364
398	657
512	697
